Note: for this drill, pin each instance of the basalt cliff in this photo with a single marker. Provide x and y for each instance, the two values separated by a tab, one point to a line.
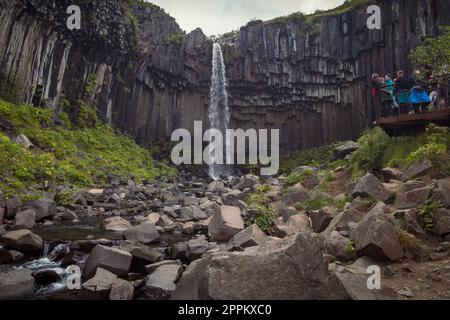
307	76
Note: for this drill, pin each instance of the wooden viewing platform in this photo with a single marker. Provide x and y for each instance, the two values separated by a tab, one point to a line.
416	119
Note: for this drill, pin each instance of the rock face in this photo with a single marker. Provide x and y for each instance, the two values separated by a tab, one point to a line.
220	276
306	78
226	222
16	284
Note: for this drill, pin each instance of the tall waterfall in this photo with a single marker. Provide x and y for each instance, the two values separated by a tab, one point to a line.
219	114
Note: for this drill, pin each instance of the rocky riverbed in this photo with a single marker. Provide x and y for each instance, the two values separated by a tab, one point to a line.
200	239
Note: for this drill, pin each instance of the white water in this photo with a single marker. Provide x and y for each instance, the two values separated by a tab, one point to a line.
219	113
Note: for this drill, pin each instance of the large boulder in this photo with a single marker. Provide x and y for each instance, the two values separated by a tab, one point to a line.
25	219
101	281
418	169
287	269
12	207
297	196
16	284
441	222
369	185
320	219
114	260
161	283
376	237
295	224
339	246
413	198
116	224
250	237
141	253
345	149
245	182
442	193
225	223
342	220
391	174
24	241
121	290
144	233
45	208
197	247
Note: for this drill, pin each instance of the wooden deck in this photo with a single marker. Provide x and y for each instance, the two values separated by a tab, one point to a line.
420	119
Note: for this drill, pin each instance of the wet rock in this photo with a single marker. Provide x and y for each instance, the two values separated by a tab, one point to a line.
345	149
391	174
24	241
250	237
144	233
320	219
418	169
369	185
225	223
196	248
12	207
413	198
121	290
45	208
16	284
101	281
114	260
295	224
220	276
441	222
376	237
161	283
192	213
25	219
339	246
46	277
116	224
23	141
152	267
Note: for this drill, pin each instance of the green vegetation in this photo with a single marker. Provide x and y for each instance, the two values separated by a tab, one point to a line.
408	241
350	247
316	203
87	116
81	156
8	90
295	178
346	6
427	214
311	157
433	56
378	150
306	23
91	83
263	204
176	38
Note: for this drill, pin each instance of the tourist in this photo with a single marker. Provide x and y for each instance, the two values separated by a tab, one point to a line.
403	86
419	97
390	85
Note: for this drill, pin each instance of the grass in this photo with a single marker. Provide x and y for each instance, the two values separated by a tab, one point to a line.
261	202
346	6
310	157
295	178
82	156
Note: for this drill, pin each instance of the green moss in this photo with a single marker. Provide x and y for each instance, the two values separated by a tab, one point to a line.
82	156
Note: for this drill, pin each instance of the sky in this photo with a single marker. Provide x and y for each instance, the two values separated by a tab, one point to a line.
220	16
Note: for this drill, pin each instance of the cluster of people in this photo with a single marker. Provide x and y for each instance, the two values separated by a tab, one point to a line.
403	95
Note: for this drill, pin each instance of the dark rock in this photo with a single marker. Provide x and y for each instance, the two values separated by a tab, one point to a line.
46	277
411	199
16	284
245	182
12	207
345	149
196	248
295	197
370	186
161	283
250	237
45	208
121	290
221	276
114	260
320	219
417	170
144	233
441	222
25	219
391	174
179	250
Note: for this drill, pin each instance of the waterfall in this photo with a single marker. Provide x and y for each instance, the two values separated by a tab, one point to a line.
219	114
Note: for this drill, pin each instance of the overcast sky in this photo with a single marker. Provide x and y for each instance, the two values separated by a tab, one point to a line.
220	16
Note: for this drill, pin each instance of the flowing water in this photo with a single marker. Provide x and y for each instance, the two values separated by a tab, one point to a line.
219	113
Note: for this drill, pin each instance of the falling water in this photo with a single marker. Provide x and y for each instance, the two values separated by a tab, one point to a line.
219	114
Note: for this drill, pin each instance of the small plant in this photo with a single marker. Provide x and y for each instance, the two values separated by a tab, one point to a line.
340	204
350	247
65	198
318	202
261	202
427	214
408	241
295	178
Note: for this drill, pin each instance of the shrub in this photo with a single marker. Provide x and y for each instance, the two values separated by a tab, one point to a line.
295	178
427	214
261	202
87	115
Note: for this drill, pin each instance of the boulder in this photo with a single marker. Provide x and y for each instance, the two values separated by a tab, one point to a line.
101	281
413	198
161	283
144	233
25	219
68	215
369	185
152	267
197	247
295	224
16	284
12	207
345	149
418	169
250	237
153	218
216	186
441	222
114	260
245	182
339	246
311	181
291	268
225	223
121	290
47	276
116	224
295	197
391	174
178	250
24	241
412	225
442	192
320	219
281	210
45	208
232	198
342	220
376	237
141	252
23	141
190	201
